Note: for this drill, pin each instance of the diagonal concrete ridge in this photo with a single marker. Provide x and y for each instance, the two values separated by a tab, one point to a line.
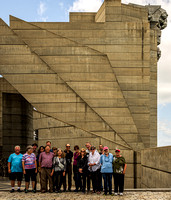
33	79
64	124
80	83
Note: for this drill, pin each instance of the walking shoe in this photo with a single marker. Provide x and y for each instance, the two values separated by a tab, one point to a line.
104	194
121	194
19	190
98	192
34	191
26	191
11	191
115	194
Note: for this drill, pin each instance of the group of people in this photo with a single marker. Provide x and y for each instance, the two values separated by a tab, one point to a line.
53	165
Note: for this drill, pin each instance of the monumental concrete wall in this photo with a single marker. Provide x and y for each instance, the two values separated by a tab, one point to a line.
16	119
156	167
5	87
97	74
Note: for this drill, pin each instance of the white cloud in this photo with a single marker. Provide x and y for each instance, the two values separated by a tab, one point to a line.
41	11
61	4
164	133
86	5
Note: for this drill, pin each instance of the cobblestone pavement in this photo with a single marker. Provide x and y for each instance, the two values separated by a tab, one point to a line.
79	196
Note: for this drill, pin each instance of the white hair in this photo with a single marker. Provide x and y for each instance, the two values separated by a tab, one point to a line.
17	146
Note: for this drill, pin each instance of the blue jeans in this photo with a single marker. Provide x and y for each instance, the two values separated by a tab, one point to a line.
107	182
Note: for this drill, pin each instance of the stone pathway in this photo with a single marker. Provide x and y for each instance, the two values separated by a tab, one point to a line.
80	196
164	194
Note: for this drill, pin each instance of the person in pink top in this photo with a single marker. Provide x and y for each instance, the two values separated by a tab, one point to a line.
29	168
75	168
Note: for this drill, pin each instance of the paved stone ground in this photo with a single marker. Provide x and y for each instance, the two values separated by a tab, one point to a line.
128	195
79	196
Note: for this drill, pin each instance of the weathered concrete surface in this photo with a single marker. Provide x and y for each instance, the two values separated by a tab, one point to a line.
103	65
16	120
156	168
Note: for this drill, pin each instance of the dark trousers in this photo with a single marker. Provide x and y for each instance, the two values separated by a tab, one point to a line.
69	174
76	177
45	175
82	180
96	181
118	182
107	182
88	176
58	177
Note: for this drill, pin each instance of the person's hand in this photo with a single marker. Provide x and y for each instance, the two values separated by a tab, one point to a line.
123	172
9	171
24	172
63	173
80	170
90	165
51	174
39	169
36	170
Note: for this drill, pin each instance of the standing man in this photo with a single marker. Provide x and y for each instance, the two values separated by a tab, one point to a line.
15	168
45	161
88	146
48	143
68	156
88	150
101	151
35	146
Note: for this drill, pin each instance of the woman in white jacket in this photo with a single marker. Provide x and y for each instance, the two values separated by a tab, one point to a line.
94	168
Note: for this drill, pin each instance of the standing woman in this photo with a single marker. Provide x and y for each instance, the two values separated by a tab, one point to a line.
59	169
94	168
106	161
119	169
29	165
75	168
82	169
40	150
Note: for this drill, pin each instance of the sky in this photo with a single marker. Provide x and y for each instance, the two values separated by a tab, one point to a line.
58	11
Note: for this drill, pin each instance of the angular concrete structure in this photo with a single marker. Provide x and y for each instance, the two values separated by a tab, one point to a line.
91	79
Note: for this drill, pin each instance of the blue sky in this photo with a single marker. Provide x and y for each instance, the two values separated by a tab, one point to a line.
58	10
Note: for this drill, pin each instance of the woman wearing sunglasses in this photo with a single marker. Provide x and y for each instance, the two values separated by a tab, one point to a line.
82	169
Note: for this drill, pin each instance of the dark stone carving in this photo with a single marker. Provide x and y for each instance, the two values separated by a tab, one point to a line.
158	18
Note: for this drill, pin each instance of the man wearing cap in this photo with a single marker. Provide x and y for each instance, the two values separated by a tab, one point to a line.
119	169
106	161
